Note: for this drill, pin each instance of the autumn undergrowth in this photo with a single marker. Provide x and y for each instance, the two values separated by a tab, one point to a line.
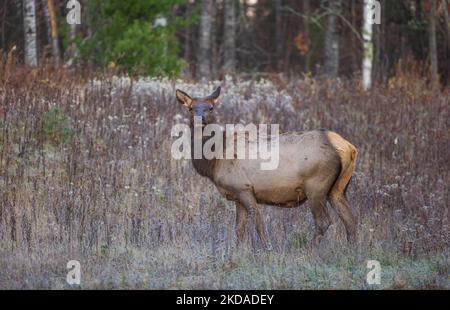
86	174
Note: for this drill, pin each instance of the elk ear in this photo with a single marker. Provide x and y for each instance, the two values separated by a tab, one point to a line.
214	97
184	98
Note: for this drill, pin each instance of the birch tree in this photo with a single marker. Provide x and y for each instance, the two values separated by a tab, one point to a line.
72	51
29	23
73	19
368	43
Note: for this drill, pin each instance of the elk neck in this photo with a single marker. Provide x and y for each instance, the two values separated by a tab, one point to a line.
204	167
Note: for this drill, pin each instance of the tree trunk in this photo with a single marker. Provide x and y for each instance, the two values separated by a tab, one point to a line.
187	41
377	51
331	67
447	21
47	21
367	45
50	16
384	60
29	23
307	10
72	50
215	46
204	48
278	35
230	37
353	39
433	45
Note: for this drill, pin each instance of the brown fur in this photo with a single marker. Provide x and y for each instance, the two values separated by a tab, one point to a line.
314	166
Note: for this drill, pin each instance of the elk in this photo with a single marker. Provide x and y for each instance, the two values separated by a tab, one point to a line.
314	165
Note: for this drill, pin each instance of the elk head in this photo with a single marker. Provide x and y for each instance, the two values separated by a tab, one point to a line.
200	108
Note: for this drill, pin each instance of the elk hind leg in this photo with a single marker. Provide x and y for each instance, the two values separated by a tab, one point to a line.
337	196
340	205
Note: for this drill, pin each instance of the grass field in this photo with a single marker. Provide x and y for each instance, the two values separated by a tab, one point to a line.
86	174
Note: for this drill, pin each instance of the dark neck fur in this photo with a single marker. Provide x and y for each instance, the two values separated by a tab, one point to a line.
204	167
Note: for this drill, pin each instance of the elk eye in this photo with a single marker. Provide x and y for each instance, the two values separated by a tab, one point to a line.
190	109
211	109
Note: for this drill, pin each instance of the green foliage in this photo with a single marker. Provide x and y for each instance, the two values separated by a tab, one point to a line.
56	126
125	36
143	51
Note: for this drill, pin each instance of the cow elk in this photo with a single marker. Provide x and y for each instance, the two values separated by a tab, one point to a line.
315	165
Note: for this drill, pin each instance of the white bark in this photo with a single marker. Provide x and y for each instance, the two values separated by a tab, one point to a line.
368	44
72	51
29	23
73	19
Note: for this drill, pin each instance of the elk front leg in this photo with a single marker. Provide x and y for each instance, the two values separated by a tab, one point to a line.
249	202
241	221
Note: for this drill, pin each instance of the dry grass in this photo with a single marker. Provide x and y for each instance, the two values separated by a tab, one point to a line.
86	174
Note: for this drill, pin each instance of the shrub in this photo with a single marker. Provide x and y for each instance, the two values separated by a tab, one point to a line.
126	36
56	126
